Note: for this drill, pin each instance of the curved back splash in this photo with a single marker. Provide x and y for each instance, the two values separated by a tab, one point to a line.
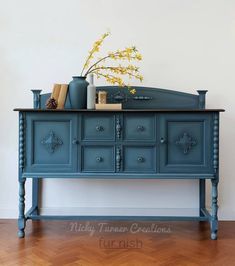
154	98
146	98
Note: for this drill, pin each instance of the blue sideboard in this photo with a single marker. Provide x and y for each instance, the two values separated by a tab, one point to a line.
160	134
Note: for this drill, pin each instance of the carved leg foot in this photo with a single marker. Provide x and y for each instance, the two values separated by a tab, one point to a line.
214	229
21	219
21	233
214	235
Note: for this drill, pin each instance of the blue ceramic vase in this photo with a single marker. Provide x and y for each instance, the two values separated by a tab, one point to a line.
78	92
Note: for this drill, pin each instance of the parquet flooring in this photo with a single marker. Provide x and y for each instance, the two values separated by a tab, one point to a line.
116	244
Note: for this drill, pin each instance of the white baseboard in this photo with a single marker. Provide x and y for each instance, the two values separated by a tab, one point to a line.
8	213
226	215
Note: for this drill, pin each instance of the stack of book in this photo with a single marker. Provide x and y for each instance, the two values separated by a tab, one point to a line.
59	93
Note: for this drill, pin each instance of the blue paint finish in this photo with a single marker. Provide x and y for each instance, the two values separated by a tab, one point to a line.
145	97
50	146
21	143
119	218
118	127
126	144
186	143
21	218
97	127
36	98
120	175
139	159
98	158
202	195
35	195
119	159
139	127
152	98
202	98
214	209
215	181
77	92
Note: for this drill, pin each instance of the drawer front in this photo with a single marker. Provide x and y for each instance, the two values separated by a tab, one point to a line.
139	159
49	143
98	159
185	143
139	127
98	127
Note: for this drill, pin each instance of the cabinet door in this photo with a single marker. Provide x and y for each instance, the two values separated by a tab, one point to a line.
185	143
49	142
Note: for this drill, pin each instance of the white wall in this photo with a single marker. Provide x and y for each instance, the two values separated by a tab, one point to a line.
186	45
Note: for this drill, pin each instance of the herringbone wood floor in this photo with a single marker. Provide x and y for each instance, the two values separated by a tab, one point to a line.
66	243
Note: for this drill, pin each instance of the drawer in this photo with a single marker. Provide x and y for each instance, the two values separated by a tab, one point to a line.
139	127
139	159
98	127
98	159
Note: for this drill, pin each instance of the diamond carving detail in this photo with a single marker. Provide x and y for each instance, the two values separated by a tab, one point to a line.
51	142
186	142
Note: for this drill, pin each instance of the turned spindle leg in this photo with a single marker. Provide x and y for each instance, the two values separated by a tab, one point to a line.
21	219
214	211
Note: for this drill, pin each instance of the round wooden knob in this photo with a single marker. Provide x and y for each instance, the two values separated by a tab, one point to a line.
99	159
140	159
99	128
75	141
140	128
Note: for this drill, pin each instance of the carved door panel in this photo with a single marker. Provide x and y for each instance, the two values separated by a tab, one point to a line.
185	143
51	143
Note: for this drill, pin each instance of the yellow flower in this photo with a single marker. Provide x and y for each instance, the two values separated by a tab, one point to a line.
138	56
140	77
133	91
96	47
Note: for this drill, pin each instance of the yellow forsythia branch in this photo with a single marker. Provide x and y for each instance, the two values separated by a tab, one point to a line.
112	73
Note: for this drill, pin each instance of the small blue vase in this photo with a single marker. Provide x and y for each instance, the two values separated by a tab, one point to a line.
78	92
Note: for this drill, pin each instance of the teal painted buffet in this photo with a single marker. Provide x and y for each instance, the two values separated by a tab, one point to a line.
159	134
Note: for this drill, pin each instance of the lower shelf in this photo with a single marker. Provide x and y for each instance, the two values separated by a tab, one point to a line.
204	216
